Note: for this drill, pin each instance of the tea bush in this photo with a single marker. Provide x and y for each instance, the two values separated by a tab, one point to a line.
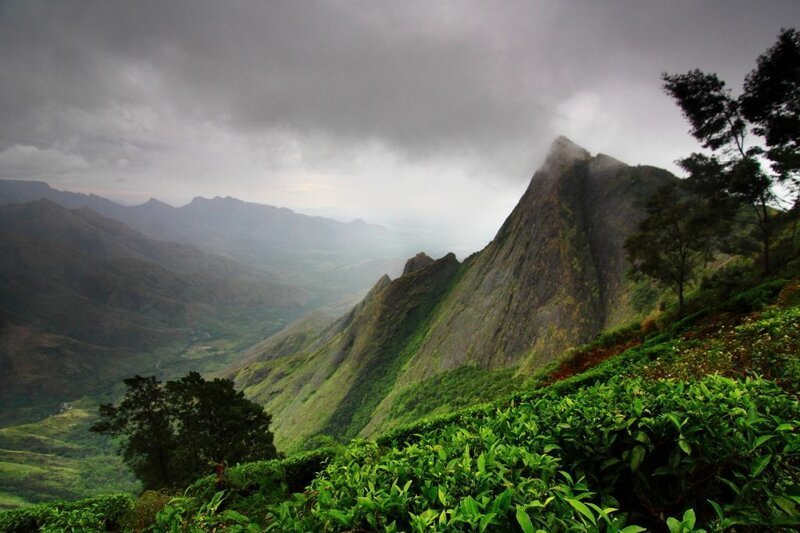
103	513
610	455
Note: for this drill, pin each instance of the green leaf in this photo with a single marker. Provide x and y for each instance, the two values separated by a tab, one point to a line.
581	508
787	505
673	525
689	519
684	445
442	497
637	456
761	440
485	521
638	407
339	516
482	463
717	509
632	529
524	521
367	502
470	506
760	463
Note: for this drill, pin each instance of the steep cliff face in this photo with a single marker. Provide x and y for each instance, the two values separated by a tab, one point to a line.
552	278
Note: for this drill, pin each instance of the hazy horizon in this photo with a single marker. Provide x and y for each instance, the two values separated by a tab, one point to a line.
406	114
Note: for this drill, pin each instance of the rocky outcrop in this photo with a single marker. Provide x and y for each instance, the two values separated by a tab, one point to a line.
418	262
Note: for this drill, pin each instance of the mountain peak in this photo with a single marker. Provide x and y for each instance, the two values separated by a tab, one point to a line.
418	262
564	150
154	202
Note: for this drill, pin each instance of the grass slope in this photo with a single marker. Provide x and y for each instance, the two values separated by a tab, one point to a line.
58	458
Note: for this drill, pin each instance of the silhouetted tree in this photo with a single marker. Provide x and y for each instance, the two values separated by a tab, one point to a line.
732	175
175	433
771	101
219	422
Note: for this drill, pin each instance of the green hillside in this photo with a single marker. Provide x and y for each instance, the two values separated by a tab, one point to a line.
691	427
58	458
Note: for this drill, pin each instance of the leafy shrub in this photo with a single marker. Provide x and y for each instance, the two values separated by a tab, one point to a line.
277	475
103	513
180	515
142	513
597	459
756	298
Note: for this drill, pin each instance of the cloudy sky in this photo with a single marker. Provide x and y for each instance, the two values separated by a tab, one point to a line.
418	114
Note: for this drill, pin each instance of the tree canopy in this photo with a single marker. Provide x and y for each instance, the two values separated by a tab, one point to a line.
673	240
732	175
174	433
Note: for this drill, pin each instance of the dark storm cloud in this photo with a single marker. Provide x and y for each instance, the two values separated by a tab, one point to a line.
171	95
421	76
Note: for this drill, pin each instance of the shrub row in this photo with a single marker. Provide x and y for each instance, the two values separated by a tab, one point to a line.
102	513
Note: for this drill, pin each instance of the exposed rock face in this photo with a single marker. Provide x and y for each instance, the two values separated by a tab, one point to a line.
552	278
418	262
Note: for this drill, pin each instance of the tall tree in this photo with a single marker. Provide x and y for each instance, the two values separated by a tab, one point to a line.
771	101
172	434
221	424
732	176
673	240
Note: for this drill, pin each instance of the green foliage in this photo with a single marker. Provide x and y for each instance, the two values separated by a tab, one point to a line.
179	515
104	513
251	487
142	513
757	298
175	433
673	241
598	459
453	390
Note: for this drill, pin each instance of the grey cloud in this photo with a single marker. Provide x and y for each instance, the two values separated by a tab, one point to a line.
169	93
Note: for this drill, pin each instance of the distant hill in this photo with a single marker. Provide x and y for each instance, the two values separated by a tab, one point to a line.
552	278
331	259
85	301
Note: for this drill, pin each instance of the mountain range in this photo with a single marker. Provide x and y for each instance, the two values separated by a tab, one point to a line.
330	259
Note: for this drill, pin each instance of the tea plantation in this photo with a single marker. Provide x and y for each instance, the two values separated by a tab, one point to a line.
694	428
